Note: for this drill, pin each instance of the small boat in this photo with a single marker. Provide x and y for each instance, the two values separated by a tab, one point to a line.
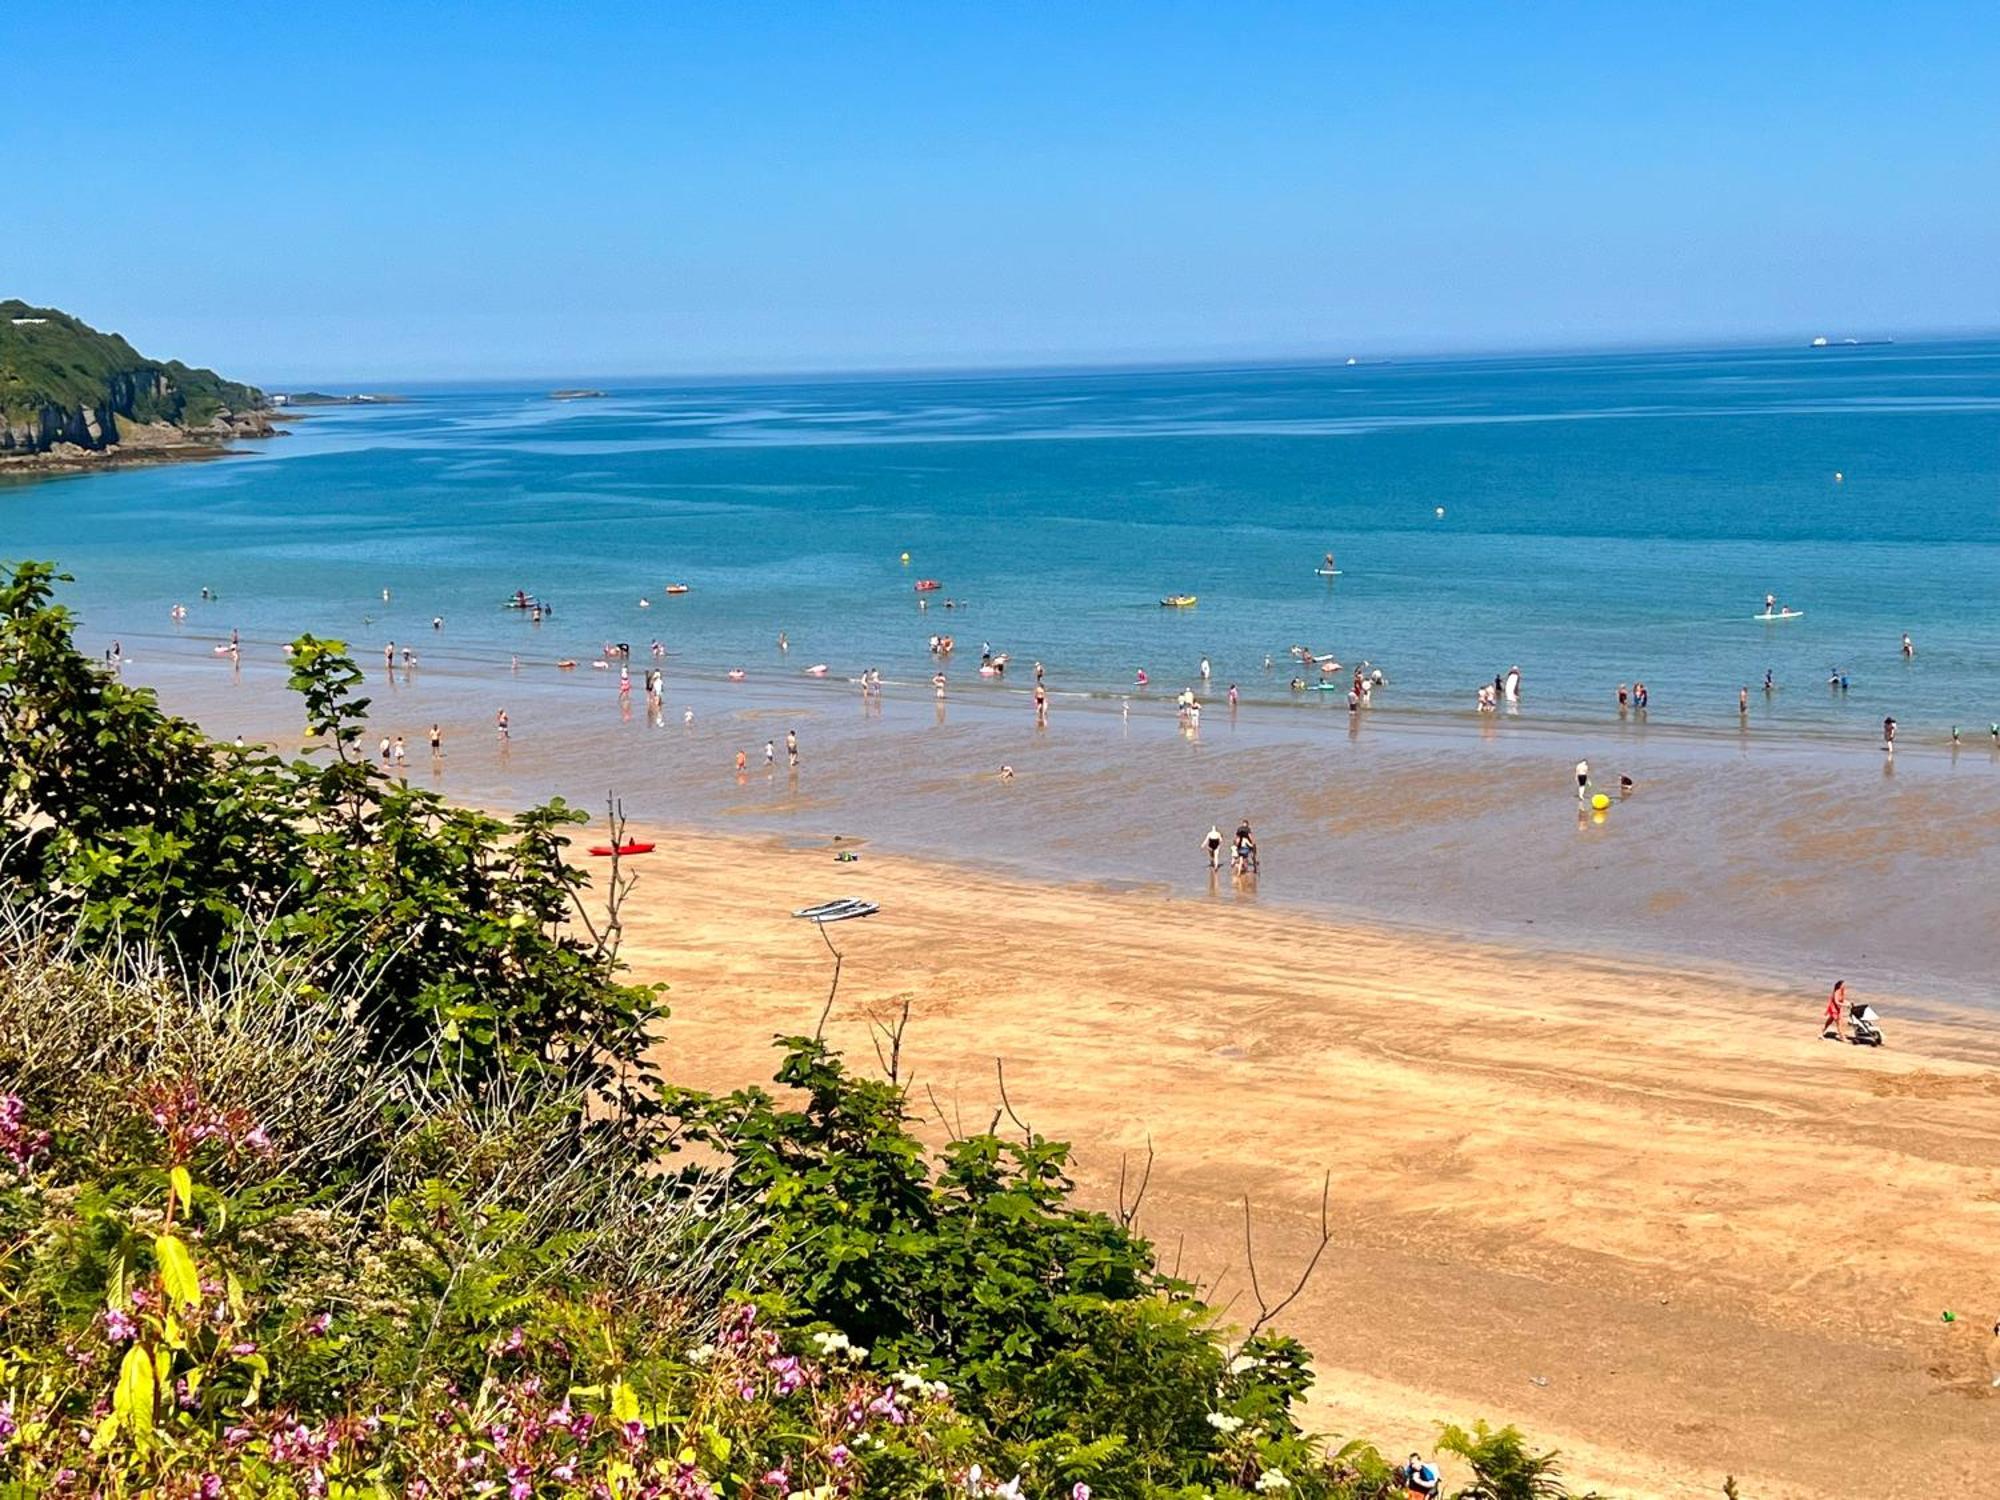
928	585
1178	601
630	846
1783	614
736	674
677	588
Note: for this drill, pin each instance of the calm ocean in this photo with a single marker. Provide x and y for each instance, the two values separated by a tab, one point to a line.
1605	518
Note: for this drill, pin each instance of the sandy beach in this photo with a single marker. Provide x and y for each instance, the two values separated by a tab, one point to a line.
1643	1212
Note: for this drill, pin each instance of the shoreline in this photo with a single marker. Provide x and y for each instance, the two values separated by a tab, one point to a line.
120	455
1767	856
1641	1210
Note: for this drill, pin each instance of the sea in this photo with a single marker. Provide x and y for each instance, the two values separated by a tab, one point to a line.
1592	520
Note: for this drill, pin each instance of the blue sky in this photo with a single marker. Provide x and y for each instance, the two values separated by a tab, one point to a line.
356	191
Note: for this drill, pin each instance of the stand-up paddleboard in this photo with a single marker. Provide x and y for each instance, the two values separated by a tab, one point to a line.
1327	572
1783	614
838	911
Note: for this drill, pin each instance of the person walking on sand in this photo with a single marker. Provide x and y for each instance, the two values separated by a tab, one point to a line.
383	750
399	752
792	748
1041	705
500	724
1889	735
1834	1025
742	761
437	742
1743	701
1212	843
1583	781
770	754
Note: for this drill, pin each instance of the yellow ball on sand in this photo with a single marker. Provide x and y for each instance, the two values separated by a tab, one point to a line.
1600	802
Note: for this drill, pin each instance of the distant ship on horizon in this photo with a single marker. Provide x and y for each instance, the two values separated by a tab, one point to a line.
1823	342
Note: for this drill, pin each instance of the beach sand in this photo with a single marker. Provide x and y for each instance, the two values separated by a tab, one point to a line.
1643	1212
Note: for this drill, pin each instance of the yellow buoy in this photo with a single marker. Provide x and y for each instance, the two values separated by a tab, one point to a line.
1600	802
1838	477
1440	512
906	558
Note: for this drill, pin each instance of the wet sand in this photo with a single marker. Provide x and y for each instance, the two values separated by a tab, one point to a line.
1642	1211
1775	857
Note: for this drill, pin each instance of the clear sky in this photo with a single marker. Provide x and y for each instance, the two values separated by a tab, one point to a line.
379	190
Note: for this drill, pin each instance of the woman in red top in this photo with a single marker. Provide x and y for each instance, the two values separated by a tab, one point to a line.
1836	1010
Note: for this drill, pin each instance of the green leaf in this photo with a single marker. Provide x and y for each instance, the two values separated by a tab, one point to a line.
624	1403
177	1272
133	1399
183	1186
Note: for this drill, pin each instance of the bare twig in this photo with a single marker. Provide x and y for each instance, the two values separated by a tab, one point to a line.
833	988
955	1132
1007	1105
1128	1214
892	1062
1267	1310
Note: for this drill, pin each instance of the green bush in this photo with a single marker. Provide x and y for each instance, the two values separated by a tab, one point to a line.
371	1190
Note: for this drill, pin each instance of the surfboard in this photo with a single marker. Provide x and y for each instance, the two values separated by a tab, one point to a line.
1783	614
1327	572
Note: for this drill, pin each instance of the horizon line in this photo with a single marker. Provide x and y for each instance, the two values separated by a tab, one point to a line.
1027	367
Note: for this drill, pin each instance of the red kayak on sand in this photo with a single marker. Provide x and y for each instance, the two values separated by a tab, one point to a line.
629	847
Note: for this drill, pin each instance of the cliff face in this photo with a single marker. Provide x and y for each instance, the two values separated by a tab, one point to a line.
63	383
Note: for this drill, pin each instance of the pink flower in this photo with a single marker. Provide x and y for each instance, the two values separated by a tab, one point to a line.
317	1325
119	1328
839	1455
1079	1491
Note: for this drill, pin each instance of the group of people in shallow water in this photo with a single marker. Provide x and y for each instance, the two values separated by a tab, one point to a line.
1505	687
1242	849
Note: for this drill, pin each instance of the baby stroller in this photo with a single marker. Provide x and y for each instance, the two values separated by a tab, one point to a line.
1861	1027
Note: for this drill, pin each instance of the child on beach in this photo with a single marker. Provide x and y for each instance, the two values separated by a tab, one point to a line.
1832	1027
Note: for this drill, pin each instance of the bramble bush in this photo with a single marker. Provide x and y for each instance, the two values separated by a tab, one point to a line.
332	1164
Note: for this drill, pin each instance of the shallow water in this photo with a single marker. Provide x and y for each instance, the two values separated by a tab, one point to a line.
1606	518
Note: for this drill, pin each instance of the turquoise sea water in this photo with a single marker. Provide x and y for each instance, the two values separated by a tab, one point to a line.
1606	518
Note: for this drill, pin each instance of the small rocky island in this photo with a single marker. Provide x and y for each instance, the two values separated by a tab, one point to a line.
576	395
72	397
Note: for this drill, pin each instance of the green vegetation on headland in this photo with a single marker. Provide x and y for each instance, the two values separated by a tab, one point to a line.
64	384
333	1163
